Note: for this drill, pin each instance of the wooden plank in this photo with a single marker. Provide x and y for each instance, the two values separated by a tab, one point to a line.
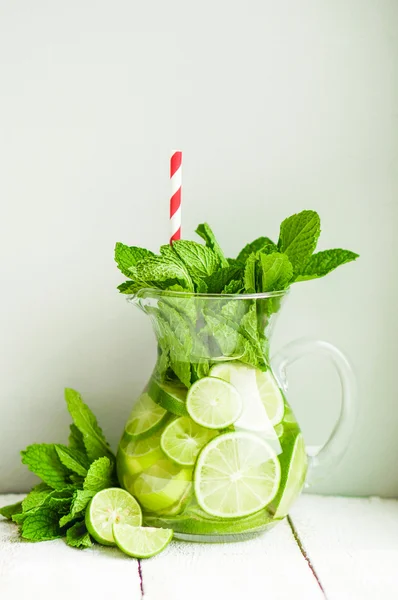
29	571
352	544
270	566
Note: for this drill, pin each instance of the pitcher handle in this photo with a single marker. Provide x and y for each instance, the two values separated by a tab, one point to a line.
332	451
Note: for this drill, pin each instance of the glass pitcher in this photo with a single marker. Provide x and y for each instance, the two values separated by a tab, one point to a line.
212	448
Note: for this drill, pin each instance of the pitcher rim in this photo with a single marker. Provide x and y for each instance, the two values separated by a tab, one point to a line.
158	292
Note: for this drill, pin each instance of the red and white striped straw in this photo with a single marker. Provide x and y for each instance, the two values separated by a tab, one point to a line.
175	200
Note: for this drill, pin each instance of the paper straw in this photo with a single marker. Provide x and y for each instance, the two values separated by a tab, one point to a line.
175	200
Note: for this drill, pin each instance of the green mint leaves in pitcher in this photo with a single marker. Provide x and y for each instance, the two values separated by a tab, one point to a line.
212	448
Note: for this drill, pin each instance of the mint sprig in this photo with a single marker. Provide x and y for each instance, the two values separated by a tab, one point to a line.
191	332
71	475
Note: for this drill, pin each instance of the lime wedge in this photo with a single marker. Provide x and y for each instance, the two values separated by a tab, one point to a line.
162	485
182	440
135	456
213	403
294	481
279	430
145	418
108	507
171	398
237	474
271	396
141	542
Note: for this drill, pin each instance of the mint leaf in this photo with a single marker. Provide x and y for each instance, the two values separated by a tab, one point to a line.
322	263
221	278
233	287
199	260
262	243
99	475
43	461
276	271
73	460
93	437
205	232
12	509
36	497
250	274
79	503
298	237
76	439
41	524
78	536
129	287
179	352
249	329
161	272
128	256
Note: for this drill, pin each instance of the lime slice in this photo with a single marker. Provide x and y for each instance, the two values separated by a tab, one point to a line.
145	418
108	507
213	403
141	542
279	430
259	390
294	481
271	396
162	485
182	440
237	474
137	455
171	398
289	417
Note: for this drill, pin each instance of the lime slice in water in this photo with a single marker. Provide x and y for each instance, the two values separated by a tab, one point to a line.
162	485
237	474
108	507
141	542
182	440
214	403
271	396
137	455
296	473
145	418
171	398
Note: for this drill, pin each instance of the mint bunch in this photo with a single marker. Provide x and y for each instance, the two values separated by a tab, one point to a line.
190	329
71	475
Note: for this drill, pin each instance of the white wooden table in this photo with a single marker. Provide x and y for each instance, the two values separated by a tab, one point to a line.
334	548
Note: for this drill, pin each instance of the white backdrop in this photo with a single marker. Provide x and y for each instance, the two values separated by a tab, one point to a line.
278	106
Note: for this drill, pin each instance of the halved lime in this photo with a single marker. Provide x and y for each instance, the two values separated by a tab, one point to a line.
162	485
237	474
259	390
145	418
214	403
182	440
141	542
170	397
294	480
137	455
110	506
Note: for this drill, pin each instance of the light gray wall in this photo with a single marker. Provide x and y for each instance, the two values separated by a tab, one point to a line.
278	106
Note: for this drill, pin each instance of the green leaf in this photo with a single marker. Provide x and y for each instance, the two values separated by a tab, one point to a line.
72	459
298	237
322	263
128	256
129	287
99	475
78	536
205	232
179	352
41	524
12	509
93	437
76	439
249	329
262	243
161	272
250	274
43	461
199	260
80	500
217	282
276	271
36	497
233	287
